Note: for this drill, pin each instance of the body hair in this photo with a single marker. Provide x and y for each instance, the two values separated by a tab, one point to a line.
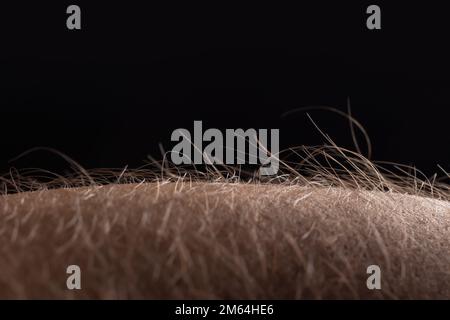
169	232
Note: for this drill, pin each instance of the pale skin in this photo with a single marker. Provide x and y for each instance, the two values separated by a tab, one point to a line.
223	240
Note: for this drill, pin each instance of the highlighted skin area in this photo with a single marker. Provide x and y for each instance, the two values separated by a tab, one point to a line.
223	240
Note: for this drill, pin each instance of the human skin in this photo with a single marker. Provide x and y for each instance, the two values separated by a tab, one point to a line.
223	240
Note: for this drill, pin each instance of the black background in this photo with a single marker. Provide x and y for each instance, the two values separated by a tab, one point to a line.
283	309
106	95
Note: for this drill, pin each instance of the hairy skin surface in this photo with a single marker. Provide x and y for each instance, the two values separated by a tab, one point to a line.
223	240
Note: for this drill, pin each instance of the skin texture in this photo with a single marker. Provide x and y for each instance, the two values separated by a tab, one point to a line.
223	240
